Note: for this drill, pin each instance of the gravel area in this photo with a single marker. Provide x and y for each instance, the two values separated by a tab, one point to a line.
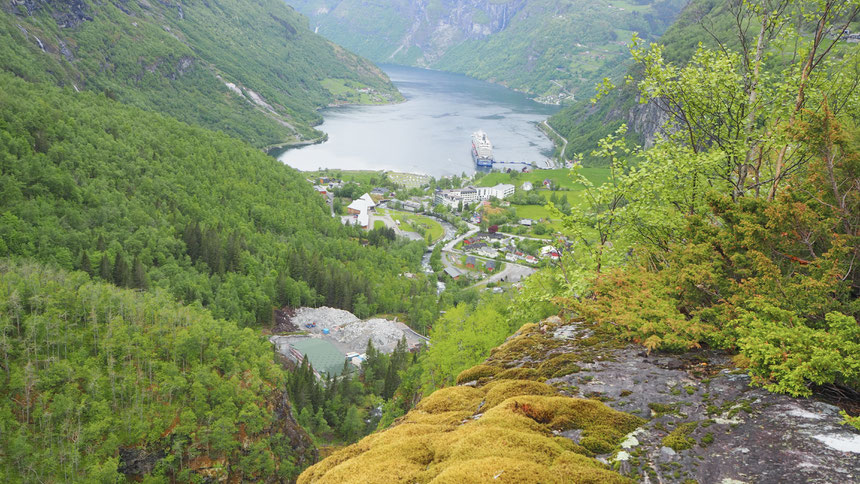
349	333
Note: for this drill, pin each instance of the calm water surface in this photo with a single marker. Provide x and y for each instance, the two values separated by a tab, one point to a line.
430	132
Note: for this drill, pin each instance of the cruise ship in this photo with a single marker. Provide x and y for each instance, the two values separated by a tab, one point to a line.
482	149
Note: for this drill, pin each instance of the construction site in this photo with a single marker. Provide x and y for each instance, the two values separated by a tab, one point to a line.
329	337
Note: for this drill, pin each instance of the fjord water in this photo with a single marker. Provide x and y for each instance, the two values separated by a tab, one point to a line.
430	132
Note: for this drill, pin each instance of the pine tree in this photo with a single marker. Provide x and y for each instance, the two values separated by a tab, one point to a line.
104	269
85	263
100	244
351	428
121	274
138	279
392	381
191	237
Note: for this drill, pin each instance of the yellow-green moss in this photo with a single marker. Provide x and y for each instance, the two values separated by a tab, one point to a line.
521	373
501	430
452	399
601	439
583	470
454	418
444	440
679	439
563	364
476	373
501	390
477	442
496	469
529	342
564	413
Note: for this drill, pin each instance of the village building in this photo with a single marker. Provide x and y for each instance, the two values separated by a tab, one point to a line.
410	206
490	266
549	251
474	246
488	252
500	191
470	262
455	196
381	191
453	272
359	211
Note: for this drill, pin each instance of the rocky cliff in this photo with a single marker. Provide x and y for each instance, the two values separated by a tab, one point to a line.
560	402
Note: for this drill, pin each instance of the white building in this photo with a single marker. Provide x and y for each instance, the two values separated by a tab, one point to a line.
368	199
500	191
359	211
453	197
488	252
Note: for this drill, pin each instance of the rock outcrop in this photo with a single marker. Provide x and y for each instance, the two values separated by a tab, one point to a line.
588	409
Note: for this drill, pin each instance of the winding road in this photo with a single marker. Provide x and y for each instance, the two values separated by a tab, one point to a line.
563	139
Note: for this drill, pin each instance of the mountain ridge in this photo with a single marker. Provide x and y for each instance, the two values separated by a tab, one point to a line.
251	69
554	51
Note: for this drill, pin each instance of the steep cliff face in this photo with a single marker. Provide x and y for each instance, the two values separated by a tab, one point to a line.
252	69
551	49
434	31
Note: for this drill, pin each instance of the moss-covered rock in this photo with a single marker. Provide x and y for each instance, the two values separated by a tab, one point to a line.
679	439
476	373
446	438
520	373
563	364
499	391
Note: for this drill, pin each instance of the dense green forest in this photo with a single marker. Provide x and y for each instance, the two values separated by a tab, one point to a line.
142	200
711	23
176	58
739	228
549	48
99	382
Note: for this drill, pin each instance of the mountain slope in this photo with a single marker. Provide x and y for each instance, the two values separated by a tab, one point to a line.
98	382
546	48
142	200
584	124
249	68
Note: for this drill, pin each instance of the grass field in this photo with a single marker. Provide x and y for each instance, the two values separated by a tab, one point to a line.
373	177
560	177
409	180
534	212
348	90
412	222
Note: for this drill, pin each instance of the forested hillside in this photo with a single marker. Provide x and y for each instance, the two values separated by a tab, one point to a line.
142	200
713	23
720	260
101	384
555	50
249	68
587	121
